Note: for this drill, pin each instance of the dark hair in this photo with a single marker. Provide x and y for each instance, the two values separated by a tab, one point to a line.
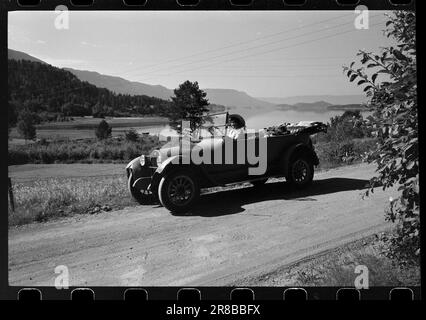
239	120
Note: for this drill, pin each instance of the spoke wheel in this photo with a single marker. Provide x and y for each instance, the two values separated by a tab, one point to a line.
178	191
301	172
181	190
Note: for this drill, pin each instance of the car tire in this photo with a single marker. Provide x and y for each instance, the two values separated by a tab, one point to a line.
137	195
300	171
258	183
178	191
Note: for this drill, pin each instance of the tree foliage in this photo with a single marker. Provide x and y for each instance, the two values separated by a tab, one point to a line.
189	103
132	135
348	126
26	126
103	131
390	80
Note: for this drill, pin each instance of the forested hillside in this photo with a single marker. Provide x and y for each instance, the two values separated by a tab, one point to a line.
52	93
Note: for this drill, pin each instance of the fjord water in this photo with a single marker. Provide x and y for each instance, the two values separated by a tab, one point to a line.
263	120
279	117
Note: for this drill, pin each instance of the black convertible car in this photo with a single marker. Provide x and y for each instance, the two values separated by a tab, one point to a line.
174	176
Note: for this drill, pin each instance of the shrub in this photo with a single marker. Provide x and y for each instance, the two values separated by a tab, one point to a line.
103	131
26	126
80	151
395	123
344	152
132	135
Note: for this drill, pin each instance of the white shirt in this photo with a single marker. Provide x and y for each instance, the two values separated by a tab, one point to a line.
235	133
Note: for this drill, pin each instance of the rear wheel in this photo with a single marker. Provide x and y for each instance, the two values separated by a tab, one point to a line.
178	191
300	171
141	197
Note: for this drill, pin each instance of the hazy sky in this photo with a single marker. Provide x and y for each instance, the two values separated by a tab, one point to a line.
266	54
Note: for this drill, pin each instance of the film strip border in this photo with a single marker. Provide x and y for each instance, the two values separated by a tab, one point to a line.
233	295
210	4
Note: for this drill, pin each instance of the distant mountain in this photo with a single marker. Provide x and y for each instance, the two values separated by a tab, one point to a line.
18	55
235	101
345	107
332	99
225	97
120	85
319	106
234	98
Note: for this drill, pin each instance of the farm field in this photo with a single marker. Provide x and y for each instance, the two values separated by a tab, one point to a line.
33	172
84	127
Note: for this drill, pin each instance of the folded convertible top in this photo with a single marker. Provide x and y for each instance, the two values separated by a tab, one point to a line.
310	127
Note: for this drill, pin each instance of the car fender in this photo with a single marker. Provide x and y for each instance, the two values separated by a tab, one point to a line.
177	162
135	166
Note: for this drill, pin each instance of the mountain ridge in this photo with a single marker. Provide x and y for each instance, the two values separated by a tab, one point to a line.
332	99
235	100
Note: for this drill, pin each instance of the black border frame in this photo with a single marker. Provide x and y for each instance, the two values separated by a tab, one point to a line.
262	294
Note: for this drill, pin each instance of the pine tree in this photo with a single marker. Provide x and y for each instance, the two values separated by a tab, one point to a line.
26	126
189	103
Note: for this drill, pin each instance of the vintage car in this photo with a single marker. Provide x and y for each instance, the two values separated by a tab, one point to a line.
171	175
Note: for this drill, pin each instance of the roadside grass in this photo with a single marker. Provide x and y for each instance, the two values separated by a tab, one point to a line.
336	268
42	200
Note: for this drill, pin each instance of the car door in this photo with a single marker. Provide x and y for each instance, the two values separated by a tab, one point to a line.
228	160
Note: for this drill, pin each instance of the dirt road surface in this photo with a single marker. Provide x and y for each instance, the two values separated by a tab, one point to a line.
232	235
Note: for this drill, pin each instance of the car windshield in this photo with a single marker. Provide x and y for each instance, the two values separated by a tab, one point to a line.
214	125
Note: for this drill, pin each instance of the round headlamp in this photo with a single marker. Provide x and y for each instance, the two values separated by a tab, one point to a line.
142	160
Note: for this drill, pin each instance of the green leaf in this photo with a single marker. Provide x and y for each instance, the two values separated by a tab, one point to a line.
374	77
353	77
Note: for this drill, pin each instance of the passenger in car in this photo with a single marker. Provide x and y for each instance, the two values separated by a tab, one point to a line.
237	127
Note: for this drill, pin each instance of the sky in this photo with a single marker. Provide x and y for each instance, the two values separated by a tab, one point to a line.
263	53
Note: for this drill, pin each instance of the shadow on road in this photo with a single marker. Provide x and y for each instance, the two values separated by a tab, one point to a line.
232	201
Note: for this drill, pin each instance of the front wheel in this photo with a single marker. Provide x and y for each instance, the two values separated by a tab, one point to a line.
300	171
178	191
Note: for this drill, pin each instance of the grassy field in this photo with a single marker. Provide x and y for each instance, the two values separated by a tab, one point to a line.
43	192
84	127
37	172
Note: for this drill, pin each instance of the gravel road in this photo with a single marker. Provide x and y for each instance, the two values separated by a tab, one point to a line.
231	235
